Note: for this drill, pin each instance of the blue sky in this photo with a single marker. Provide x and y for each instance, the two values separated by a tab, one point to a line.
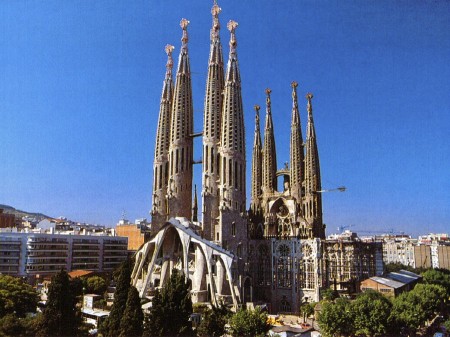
80	84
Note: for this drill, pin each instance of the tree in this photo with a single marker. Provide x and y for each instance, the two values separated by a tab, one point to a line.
307	309
412	309
111	325
438	277
131	324
16	297
329	294
371	313
336	318
60	316
247	323
96	285
171	309
213	322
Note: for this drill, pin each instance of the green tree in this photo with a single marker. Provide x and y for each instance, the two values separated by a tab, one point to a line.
329	294
131	324
171	309
111	325
16	297
213	322
60	316
249	323
307	309
336	318
371	313
96	285
438	277
412	309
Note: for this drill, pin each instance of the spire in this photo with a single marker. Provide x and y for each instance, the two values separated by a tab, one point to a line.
179	191
183	62
296	148
212	115
232	145
161	160
313	200
256	165
269	156
232	66
195	206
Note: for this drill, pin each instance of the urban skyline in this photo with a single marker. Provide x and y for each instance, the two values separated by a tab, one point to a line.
83	81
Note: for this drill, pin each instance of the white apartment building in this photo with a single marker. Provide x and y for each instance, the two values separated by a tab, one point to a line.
32	254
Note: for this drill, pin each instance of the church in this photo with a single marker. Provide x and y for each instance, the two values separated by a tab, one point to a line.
273	253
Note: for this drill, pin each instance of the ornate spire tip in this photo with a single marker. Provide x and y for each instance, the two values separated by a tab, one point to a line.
184	23
215	10
257	107
309	96
294	84
232	25
169	49
268	91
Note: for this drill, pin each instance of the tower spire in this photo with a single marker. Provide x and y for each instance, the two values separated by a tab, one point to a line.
232	148
296	149
312	199
161	160
256	165
179	190
212	115
269	156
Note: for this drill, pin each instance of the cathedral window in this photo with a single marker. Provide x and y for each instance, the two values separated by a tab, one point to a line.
182	159
176	161
233	228
212	161
263	266
205	158
284	267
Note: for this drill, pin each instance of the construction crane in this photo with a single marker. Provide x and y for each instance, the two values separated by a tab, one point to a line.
337	189
341	228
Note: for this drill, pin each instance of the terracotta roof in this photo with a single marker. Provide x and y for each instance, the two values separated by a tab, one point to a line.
80	273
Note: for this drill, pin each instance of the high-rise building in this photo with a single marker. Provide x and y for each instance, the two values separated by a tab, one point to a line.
276	250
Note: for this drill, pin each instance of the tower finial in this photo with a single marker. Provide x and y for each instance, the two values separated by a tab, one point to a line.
257	107
183	24
294	86
309	97
268	102
232	25
215	10
169	65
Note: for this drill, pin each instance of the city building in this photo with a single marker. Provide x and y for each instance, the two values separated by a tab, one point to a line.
6	220
137	233
428	251
276	251
393	284
38	254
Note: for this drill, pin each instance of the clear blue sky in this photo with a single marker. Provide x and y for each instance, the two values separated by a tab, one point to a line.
80	84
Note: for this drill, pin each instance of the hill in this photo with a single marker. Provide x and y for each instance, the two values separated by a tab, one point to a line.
19	213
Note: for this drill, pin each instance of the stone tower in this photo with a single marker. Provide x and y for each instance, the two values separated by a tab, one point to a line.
161	161
312	202
179	190
269	155
296	154
255	203
211	129
232	154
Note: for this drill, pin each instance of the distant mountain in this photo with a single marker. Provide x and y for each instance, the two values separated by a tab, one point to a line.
19	214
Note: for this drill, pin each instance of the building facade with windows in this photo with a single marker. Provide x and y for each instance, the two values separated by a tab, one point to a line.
31	254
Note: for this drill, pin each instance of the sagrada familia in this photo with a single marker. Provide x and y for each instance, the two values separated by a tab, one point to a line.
274	253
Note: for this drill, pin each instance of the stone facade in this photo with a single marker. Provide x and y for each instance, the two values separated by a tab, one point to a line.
277	252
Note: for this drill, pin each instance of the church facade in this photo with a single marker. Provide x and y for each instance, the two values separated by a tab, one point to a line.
275	252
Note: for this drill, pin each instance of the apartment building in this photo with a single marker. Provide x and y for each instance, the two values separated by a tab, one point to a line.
33	254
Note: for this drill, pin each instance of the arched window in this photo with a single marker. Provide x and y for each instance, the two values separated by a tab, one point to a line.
284	266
